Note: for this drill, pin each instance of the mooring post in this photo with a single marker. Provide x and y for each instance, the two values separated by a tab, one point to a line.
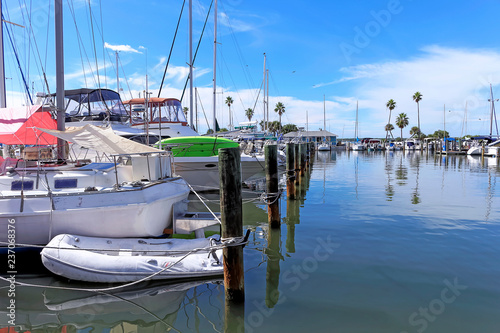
482	150
308	154
290	171
273	208
302	160
232	222
297	166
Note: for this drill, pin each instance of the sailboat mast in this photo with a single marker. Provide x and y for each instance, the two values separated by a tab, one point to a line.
3	99
264	94
356	126
324	113
59	76
191	63
215	66
267	97
117	74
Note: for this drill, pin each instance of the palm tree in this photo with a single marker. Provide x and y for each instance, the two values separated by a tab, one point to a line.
417	97
389	128
402	121
415	131
391	105
185	110
279	109
249	114
229	101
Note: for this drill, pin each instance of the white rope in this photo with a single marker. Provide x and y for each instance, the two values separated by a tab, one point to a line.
203	202
270	198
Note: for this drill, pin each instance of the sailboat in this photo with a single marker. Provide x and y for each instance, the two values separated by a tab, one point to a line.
492	143
324	146
131	194
357	146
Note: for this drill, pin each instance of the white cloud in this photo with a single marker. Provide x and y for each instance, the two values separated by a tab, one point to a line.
121	48
444	76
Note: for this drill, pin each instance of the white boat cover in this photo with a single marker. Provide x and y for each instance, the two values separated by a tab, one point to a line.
103	140
110	260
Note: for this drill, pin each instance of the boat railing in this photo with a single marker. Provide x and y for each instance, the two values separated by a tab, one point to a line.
146	166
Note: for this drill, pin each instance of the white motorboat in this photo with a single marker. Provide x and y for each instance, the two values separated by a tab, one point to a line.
96	259
324	147
490	143
357	146
130	195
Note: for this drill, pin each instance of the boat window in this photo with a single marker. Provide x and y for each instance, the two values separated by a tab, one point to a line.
18	185
65	183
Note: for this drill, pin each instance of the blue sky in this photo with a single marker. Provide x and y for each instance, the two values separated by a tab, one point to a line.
347	51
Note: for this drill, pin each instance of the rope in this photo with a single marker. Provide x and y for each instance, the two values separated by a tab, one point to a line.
203	202
270	198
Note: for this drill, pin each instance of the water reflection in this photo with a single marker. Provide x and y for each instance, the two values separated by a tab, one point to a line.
155	306
273	252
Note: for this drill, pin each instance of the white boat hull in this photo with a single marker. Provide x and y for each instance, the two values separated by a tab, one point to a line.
95	259
203	172
128	212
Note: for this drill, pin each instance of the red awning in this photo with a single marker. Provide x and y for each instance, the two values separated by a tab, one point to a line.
18	126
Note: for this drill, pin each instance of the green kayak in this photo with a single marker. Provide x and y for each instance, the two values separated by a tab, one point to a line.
196	146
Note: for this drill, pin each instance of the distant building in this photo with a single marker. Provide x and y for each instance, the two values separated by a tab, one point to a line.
313	136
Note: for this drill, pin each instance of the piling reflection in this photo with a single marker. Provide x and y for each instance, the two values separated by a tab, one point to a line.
273	252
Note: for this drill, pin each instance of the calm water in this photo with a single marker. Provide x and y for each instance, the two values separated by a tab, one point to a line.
377	242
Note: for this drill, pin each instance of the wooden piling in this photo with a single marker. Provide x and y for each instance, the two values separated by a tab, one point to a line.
273	208
302	159
232	222
297	166
290	171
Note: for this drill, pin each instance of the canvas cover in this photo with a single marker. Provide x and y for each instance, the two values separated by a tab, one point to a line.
101	139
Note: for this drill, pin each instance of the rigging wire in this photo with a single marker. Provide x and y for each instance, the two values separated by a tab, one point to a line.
241	58
197	47
95	49
80	42
125	76
203	109
40	67
171	48
19	64
103	50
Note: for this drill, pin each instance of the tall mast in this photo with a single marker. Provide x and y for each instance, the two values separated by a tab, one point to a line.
196	108
356	126
59	76
492	112
3	99
117	74
264	94
191	63
267	98
215	65
324	113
